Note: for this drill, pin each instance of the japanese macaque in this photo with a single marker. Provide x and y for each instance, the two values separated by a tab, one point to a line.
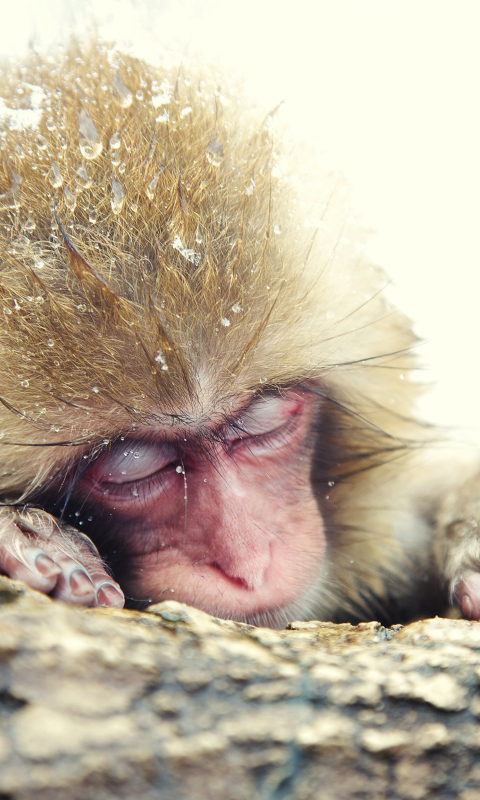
205	395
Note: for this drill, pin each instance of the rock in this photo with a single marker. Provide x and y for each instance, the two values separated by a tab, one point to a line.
172	703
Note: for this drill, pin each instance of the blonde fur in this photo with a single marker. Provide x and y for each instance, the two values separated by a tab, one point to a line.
156	259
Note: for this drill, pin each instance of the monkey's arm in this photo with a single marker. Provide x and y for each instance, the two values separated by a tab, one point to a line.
54	559
457	546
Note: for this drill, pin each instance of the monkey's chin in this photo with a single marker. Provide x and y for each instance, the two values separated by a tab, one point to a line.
273	604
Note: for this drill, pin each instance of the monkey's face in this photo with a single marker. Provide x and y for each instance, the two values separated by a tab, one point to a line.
217	514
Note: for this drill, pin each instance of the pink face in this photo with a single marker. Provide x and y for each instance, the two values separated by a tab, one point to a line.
220	517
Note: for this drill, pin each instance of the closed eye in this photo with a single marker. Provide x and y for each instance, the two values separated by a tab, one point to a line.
264	420
127	462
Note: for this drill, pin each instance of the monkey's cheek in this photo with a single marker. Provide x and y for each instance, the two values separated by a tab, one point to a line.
467	595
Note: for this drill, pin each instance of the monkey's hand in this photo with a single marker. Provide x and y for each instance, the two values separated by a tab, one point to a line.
55	559
458	546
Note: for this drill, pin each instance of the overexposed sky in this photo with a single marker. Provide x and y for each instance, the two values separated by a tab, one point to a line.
389	90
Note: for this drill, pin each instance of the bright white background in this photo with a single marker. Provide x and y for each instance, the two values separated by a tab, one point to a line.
390	91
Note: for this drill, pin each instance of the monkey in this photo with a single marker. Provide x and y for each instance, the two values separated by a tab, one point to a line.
204	393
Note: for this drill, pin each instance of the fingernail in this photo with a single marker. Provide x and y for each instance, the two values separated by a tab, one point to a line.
467	607
108	595
79	583
46	566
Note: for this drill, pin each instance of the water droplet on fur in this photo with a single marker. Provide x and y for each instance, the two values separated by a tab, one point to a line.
50	343
90	146
115	141
150	190
251	186
123	92
214	152
139	94
41	142
90	151
54	176
82	178
198	237
95	389
70	199
29	225
117	197
92	215
24	384
277	228
179	469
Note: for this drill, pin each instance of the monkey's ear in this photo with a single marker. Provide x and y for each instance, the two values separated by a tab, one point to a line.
82	269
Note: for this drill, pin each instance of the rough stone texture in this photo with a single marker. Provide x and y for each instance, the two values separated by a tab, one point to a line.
174	704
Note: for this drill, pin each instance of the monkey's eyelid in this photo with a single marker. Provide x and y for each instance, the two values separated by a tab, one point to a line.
127	462
263	417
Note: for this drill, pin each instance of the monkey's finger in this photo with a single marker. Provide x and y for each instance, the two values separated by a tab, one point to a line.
467	595
73	585
23	560
86	582
108	592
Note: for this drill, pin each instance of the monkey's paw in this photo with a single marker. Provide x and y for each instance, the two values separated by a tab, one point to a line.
466	594
54	559
458	546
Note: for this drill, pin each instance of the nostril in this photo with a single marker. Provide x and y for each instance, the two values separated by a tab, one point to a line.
241	582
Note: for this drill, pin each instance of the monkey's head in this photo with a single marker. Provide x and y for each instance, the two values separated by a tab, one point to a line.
198	370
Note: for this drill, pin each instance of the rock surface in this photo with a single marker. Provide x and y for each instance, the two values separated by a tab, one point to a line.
174	704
